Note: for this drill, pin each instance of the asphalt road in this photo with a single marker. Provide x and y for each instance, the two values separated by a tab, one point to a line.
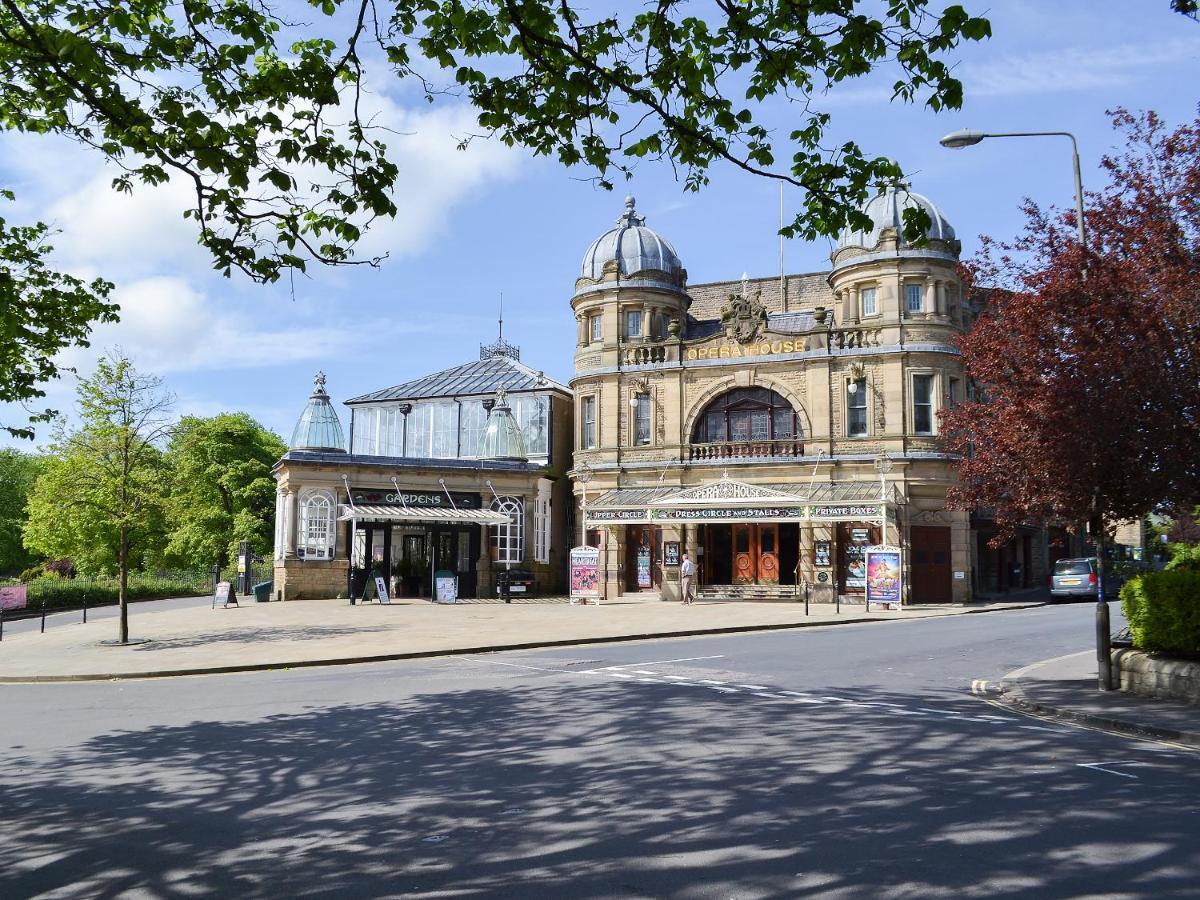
837	762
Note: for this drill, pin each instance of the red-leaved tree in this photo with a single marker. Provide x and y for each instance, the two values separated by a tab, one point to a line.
1089	364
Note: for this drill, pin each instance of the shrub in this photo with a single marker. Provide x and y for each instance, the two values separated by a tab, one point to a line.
31	573
1163	609
63	568
1185	556
54	592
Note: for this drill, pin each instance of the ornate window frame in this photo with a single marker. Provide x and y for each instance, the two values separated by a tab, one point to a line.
316	532
508	540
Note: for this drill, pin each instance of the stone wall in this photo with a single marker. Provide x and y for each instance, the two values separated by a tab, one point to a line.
1152	675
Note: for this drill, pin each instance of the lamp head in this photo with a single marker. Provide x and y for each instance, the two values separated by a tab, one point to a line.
964	137
883	464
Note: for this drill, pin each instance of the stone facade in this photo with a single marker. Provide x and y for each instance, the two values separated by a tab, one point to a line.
884	319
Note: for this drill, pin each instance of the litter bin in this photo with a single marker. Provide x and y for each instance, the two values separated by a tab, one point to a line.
262	591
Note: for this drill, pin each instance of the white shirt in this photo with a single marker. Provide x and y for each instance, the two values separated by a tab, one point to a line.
687	569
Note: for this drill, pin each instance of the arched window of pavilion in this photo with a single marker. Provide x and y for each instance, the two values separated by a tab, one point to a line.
747	414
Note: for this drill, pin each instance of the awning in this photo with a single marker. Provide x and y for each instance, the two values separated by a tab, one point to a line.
730	501
420	514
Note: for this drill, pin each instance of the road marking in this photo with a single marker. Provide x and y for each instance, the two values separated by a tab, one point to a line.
710	681
1099	767
644	672
754	687
663	662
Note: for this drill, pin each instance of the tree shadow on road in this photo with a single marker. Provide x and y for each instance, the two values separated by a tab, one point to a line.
588	789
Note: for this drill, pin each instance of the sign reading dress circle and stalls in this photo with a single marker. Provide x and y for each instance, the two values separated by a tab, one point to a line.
585	572
884	577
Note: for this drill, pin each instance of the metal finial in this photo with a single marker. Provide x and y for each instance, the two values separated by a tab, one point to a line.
630	203
319	381
745	285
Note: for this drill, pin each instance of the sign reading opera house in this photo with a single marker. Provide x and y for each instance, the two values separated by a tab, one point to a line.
776	428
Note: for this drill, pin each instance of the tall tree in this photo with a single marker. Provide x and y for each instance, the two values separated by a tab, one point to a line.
1089	360
18	471
222	491
105	484
42	312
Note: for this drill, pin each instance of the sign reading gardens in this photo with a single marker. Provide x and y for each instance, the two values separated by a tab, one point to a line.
389	497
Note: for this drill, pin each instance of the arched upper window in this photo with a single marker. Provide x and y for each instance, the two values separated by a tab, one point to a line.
747	414
316	532
508	541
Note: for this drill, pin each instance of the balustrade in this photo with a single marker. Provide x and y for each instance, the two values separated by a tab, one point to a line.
777	449
645	354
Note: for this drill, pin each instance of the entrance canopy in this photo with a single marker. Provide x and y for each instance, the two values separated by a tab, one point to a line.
402	514
732	501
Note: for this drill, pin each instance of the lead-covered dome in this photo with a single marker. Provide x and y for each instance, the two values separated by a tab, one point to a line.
635	247
319	427
887	211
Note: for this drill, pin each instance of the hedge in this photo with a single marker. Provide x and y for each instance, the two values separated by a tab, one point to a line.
52	592
1163	609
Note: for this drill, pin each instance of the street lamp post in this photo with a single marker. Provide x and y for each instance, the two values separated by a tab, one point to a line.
883	465
968	138
583	474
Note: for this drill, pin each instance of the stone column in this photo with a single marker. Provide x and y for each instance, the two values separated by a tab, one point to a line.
289	525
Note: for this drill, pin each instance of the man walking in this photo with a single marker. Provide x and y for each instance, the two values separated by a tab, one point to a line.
687	576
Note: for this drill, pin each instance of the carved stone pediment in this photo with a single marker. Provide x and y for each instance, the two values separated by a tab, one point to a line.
728	489
744	318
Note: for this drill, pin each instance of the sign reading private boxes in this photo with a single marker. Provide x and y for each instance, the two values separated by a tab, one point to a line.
585	572
885	578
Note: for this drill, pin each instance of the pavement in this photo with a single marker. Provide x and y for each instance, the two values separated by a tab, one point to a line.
197	639
1065	688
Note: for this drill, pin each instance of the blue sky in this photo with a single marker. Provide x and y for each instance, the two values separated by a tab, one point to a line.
489	221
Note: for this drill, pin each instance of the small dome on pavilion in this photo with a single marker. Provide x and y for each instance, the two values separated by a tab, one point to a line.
319	427
635	248
502	439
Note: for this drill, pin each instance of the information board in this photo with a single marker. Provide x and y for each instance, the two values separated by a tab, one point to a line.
885	577
643	567
224	595
381	589
15	596
585	572
447	587
671	553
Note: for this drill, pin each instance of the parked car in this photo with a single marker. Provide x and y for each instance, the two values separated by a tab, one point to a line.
1075	578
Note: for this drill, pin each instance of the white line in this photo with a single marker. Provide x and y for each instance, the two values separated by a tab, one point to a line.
710	681
806	700
1100	768
644	672
767	696
797	693
663	662
754	687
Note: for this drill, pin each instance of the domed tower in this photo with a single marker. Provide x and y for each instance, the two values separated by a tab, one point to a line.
630	291
318	427
880	278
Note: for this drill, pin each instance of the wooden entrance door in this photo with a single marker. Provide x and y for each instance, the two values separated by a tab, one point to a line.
641	556
930	552
744	552
768	554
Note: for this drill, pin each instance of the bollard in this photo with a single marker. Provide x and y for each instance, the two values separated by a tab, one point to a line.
1	623
43	617
807	596
839	599
85	610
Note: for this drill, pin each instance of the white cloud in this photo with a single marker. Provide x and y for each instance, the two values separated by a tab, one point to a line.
168	326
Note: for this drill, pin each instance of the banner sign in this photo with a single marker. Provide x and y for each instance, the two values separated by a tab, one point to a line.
225	596
585	572
446	586
671	553
643	567
735	514
15	596
389	497
885	577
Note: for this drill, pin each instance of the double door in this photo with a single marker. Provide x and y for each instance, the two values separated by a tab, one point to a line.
456	549
756	554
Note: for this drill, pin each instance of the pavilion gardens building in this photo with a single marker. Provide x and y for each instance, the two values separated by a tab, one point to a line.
770	428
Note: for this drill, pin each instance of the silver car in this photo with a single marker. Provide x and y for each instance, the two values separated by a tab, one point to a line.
1074	578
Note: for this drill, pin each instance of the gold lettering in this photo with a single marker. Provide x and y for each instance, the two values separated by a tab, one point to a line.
737	350
691	353
789	346
777	347
725	352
